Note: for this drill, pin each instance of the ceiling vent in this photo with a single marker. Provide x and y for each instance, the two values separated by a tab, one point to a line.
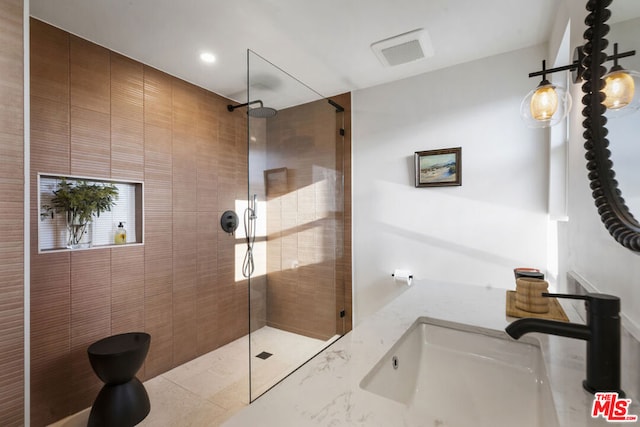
407	47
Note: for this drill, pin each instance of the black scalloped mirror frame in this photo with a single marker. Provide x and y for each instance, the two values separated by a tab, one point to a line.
614	213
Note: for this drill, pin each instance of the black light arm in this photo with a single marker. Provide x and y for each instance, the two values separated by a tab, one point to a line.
617	55
577	64
544	71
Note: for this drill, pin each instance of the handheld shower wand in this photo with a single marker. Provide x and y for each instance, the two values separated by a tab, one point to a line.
250	216
253	207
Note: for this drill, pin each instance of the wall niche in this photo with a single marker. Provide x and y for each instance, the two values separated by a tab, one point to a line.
103	230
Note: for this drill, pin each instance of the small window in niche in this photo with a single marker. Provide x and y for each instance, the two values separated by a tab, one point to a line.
53	231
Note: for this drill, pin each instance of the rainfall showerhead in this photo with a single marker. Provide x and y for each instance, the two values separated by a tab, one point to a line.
260	112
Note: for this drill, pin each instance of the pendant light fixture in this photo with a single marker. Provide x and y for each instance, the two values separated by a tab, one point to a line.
620	89
546	105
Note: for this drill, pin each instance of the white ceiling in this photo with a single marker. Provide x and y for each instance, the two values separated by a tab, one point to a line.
324	43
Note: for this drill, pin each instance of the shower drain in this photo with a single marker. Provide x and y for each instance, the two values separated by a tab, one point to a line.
264	355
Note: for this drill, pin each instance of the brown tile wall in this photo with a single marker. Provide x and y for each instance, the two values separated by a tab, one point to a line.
96	113
308	266
99	114
11	213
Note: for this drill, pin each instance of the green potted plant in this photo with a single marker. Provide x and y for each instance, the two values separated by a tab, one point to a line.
80	201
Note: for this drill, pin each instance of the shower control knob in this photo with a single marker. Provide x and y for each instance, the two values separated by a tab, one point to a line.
229	221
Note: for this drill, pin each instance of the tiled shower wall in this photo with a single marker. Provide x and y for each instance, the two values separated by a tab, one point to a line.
98	114
307	229
11	214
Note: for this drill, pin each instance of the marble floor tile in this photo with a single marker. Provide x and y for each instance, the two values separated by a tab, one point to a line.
233	397
173	405
210	389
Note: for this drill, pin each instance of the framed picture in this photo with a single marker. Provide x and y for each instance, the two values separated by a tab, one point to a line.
437	168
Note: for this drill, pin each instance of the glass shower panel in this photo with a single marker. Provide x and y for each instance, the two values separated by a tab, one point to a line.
294	223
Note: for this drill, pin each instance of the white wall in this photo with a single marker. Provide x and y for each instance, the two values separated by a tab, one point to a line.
476	233
498	219
591	251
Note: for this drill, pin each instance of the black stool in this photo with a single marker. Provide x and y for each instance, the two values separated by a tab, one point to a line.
123	401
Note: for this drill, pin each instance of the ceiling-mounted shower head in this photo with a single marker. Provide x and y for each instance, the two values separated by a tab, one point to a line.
260	112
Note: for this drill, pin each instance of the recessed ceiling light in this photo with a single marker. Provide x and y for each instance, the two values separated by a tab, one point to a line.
207	57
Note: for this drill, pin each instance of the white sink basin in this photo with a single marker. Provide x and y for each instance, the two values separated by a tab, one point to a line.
449	375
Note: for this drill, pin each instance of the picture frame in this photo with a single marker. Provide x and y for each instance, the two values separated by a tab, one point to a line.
439	168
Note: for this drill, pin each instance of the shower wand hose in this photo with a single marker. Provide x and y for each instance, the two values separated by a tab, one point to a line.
248	265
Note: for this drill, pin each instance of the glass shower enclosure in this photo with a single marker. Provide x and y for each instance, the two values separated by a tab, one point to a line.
292	229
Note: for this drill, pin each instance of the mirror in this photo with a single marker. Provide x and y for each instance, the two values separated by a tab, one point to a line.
624	130
609	140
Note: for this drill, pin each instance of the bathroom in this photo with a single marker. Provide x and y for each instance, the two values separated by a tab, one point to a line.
489	224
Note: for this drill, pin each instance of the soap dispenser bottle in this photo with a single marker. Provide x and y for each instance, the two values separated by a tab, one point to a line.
121	234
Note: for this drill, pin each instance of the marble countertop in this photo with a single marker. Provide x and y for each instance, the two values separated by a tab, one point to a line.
326	391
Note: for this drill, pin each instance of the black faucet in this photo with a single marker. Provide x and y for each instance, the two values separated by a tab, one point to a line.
602	334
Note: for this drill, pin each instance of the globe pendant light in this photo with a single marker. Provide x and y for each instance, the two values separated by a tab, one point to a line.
546	105
619	89
544	101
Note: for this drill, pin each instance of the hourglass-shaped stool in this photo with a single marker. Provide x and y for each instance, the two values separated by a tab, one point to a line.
123	401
